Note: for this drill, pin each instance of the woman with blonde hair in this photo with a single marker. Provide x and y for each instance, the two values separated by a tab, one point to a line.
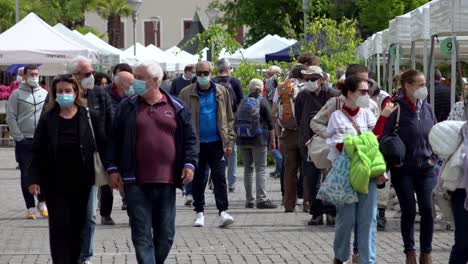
63	165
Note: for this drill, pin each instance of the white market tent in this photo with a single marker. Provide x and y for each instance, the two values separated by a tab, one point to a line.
104	56
33	41
256	53
180	57
95	40
142	54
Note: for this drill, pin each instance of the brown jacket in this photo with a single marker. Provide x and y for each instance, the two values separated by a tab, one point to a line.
225	115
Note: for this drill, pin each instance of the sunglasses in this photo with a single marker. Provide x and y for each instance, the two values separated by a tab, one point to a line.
313	79
363	92
87	74
203	73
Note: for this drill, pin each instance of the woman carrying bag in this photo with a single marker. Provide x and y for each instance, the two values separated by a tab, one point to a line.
63	166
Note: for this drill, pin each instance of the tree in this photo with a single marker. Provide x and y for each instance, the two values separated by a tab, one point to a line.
7	19
68	12
112	11
374	15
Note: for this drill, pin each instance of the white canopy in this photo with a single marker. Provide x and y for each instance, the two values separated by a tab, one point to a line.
180	57
449	16
34	41
400	32
420	23
256	53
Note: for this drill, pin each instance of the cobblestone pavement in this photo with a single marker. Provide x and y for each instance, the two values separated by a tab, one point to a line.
258	236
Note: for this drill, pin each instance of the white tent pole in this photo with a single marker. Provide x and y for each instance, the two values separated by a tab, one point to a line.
378	68
413	55
425	57
390	71
454	70
397	59
384	58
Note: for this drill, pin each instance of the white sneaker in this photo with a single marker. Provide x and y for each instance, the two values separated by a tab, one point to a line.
32	213
199	220
86	262
188	200
225	219
42	207
300	201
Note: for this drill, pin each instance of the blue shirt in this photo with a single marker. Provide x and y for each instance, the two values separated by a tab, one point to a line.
208	115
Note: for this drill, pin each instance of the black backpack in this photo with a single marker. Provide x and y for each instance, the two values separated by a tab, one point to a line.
226	82
247	123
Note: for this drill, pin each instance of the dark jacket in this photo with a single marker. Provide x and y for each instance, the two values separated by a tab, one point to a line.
306	106
45	145
235	84
267	125
115	100
120	154
414	132
178	85
99	100
442	102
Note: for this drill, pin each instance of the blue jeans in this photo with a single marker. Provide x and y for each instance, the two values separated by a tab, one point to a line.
278	161
89	226
406	182
364	212
152	211
232	167
459	254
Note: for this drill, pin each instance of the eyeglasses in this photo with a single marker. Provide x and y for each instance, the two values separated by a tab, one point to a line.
203	73
313	79
363	92
87	74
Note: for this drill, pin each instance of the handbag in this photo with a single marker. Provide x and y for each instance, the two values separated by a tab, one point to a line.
317	150
100	174
336	188
392	147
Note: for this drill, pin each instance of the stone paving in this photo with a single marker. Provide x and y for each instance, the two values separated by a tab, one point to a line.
258	236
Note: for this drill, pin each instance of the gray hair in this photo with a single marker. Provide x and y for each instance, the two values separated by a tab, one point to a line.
20	69
223	64
256	87
340	72
76	62
202	63
153	69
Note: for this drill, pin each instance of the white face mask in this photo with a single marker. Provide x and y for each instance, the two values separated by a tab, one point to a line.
363	101
19	78
312	86
420	93
88	83
33	81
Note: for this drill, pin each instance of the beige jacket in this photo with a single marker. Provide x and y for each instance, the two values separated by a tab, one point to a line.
225	115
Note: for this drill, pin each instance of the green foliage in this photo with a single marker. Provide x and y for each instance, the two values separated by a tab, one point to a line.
7	19
86	30
214	37
108	8
68	12
334	43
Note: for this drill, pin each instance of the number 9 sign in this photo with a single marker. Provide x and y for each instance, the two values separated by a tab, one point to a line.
446	47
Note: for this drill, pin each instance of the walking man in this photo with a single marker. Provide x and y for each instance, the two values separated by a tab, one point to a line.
149	167
23	111
214	120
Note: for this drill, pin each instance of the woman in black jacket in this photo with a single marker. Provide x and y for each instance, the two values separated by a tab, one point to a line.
416	174
63	165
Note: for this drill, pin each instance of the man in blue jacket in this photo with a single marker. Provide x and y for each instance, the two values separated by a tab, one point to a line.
149	167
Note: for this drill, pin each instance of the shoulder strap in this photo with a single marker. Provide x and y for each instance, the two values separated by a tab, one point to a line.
355	125
397	123
91	126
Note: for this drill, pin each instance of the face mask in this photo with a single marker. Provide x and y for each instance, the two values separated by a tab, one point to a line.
193	76
330	86
65	100
203	81
88	83
140	87
312	86
19	78
363	101
33	81
131	91
420	93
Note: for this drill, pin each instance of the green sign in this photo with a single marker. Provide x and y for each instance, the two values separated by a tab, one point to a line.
393	52
446	47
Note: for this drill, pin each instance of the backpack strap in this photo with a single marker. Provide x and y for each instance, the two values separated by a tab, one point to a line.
355	125
397	123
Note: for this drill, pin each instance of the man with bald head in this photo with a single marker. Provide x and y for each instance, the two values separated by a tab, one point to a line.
121	88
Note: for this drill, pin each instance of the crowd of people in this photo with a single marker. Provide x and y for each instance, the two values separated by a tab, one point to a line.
90	134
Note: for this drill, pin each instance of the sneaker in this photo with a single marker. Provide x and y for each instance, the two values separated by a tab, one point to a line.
300	201
267	204
274	175
188	200
31	214
316	220
249	205
225	219
232	189
42	207
289	210
331	220
107	220
124	206
199	220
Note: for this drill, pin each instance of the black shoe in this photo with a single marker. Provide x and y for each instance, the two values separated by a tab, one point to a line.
316	220
289	210
232	189
381	222
330	220
107	220
337	261
124	207
266	205
249	205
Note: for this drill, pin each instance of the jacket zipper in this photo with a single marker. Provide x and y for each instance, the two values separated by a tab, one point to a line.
35	108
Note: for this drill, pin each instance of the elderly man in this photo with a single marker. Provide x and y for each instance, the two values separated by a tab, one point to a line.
234	89
214	121
98	100
19	78
23	111
151	167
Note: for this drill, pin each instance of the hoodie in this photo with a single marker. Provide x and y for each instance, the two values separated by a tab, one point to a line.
24	110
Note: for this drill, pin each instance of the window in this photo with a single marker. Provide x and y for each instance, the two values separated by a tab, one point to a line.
152	36
122	36
187	24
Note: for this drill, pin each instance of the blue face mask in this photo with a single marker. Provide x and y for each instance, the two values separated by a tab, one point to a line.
203	81
65	100
193	76
131	91
140	87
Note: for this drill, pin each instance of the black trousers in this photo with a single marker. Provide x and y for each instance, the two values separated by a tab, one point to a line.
106	201
67	215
